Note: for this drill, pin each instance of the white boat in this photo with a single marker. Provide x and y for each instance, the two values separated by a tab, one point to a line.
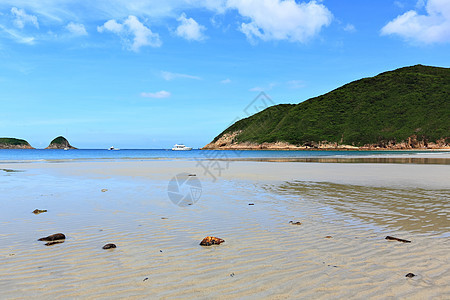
112	148
65	149
181	147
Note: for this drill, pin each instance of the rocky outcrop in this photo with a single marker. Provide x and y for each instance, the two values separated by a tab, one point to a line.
60	143
228	142
12	143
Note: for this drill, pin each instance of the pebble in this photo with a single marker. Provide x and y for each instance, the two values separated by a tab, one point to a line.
109	246
53	237
410	275
210	240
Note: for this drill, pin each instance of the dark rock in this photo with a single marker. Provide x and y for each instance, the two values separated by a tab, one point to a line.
109	246
53	237
397	239
210	240
328	237
192	175
39	211
295	223
146	278
410	275
251	204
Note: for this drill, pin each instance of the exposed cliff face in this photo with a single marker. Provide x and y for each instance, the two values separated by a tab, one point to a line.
12	143
60	143
227	142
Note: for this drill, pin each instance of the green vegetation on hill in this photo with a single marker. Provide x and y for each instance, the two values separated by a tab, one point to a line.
391	106
60	143
60	140
13	142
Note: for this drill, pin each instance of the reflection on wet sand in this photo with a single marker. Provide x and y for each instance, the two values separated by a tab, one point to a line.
358	160
413	210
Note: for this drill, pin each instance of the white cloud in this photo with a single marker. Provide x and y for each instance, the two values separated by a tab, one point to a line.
296	84
433	27
21	18
190	29
281	20
263	88
158	95
350	28
19	38
226	81
76	29
132	27
171	76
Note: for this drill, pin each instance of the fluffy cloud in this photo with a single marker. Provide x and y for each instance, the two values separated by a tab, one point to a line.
171	76
132	27
76	29
21	18
190	29
281	20
158	95
432	27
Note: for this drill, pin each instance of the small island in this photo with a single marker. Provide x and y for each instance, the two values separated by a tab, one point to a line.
60	143
13	143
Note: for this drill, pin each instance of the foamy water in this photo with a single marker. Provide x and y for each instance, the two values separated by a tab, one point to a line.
263	257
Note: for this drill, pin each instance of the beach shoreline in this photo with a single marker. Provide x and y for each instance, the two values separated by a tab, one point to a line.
345	209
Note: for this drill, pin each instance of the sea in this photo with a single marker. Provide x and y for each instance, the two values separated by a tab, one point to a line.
55	155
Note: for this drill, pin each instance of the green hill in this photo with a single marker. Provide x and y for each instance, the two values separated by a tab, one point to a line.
60	143
12	143
410	105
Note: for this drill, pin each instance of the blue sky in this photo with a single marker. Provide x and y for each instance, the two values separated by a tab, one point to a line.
141	74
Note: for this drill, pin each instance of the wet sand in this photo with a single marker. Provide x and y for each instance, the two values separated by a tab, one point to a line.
158	253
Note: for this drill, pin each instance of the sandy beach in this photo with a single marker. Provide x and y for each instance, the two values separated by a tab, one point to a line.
338	252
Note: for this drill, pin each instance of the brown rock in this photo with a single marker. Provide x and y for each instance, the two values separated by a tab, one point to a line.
39	211
109	246
53	237
295	223
210	240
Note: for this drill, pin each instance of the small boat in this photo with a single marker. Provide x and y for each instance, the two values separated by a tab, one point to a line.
112	148
181	147
65	149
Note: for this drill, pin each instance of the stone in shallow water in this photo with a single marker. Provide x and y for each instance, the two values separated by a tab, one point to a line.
397	239
53	237
410	275
295	223
104	190
109	246
39	211
210	240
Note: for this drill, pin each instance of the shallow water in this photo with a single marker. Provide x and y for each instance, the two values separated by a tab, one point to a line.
263	257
